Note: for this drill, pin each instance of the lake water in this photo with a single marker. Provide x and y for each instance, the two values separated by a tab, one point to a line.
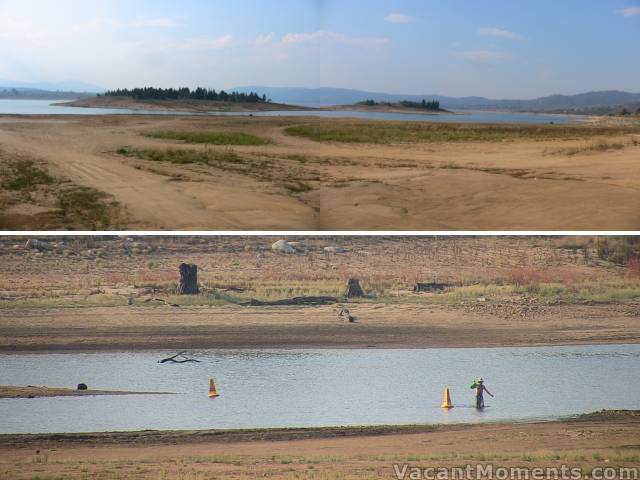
317	387
48	107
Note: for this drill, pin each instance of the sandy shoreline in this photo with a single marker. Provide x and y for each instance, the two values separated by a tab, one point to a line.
579	300
603	438
293	433
381	326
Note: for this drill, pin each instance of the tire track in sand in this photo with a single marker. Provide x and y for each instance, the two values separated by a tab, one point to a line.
151	200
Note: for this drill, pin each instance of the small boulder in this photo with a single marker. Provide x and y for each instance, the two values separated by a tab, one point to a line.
282	246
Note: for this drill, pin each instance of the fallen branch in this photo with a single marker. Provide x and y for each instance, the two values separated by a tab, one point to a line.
293	301
173	359
161	300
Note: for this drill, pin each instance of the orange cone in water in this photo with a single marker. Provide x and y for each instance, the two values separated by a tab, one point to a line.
446	399
212	389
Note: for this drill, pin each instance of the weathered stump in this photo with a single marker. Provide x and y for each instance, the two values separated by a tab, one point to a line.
188	279
353	288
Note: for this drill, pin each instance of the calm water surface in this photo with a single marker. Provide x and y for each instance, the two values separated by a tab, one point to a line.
285	388
48	107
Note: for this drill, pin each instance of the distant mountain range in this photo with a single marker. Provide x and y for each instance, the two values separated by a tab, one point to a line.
37	94
583	102
601	102
66	85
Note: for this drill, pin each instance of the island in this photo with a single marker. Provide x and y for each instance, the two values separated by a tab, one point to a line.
431	107
199	100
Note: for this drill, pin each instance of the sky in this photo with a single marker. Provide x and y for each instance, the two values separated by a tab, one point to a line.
492	48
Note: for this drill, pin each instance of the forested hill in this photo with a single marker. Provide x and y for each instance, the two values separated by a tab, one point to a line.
184	93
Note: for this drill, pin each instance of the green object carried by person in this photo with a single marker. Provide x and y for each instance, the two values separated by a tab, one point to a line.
474	384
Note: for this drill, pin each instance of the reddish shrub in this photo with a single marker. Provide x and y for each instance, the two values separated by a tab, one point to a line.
634	267
534	275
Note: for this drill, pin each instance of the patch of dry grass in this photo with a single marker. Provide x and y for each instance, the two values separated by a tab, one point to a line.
593	147
27	181
23	175
259	167
213	138
349	131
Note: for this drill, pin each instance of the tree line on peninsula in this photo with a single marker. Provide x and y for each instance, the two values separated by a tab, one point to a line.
185	93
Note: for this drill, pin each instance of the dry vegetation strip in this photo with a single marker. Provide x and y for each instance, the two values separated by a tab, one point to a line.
259	167
226	159
28	182
213	138
24	175
88	205
561	271
593	147
417	132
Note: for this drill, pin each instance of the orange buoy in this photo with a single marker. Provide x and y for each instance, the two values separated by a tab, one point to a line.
212	389
446	399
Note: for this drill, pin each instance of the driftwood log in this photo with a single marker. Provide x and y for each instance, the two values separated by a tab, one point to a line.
161	300
188	279
430	287
182	360
353	288
294	301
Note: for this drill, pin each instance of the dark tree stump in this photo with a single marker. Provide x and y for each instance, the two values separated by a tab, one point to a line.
188	279
353	288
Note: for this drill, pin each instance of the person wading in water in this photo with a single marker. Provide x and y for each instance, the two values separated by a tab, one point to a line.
480	389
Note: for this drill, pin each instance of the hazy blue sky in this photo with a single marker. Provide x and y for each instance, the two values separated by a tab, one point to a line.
496	48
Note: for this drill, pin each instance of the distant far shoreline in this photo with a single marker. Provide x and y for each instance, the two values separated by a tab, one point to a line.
32	391
197	106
